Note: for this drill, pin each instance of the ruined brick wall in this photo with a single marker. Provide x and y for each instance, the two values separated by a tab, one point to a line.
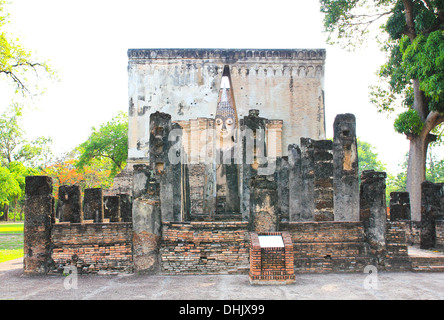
322	247
204	248
92	247
283	84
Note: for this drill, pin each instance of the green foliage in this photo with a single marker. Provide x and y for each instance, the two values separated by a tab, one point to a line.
368	158
15	147
425	15
110	141
423	59
409	123
348	21
18	158
415	48
16	63
435	167
12	186
9	187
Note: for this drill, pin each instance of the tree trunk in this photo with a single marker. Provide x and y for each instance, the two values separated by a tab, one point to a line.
416	174
5	212
416	171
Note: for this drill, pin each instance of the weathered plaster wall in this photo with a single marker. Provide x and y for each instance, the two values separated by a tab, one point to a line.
283	84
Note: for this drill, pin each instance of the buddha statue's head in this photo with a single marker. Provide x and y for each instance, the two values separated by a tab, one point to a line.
225	120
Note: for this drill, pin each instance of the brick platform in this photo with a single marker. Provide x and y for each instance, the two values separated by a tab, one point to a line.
271	265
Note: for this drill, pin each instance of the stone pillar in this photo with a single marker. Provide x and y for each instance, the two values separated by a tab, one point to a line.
253	149
431	194
111	208
294	182
345	162
282	178
274	139
263	201
141	176
69	206
176	172
159	145
37	228
399	206
147	224
126	207
93	205
307	180
323	180
373	211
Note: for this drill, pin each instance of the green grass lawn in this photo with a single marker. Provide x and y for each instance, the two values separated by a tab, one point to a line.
11	241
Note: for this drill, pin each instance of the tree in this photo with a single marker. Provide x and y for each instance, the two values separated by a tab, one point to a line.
15	147
9	188
65	172
368	158
413	74
19	172
110	141
435	168
17	63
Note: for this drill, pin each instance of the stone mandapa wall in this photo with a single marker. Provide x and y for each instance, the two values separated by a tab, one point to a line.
282	84
205	248
92	247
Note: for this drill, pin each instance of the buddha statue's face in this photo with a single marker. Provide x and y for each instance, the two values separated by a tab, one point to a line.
225	127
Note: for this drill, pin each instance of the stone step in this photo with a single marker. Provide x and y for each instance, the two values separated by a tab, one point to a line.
428	269
427	264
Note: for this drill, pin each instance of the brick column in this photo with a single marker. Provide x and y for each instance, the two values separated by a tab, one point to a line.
431	194
289	254
69	206
373	211
345	163
263	201
39	212
93	205
255	256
